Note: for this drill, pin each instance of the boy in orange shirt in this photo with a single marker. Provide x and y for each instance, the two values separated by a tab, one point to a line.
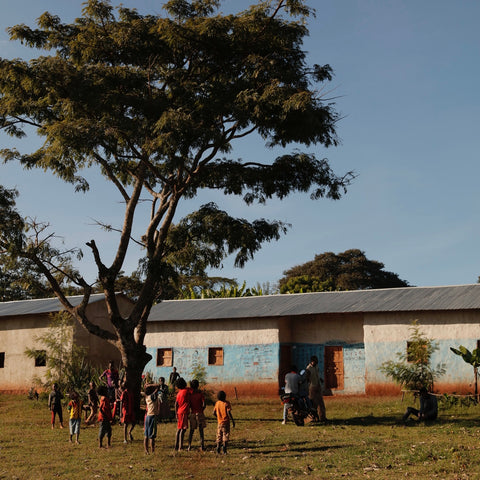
223	412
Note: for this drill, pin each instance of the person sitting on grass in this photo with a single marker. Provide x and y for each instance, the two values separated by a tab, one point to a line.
428	407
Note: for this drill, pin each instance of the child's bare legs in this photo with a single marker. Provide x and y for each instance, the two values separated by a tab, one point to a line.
190	436
202	438
127	434
179	438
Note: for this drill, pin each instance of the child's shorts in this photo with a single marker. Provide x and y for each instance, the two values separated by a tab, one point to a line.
105	429
74	424
223	433
182	421
197	420
150	427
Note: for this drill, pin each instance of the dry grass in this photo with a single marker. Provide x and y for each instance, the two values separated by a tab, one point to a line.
364	439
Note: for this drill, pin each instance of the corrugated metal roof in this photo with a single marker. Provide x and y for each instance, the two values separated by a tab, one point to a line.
458	297
41	305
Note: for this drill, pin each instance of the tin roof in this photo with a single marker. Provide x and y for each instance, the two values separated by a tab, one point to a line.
41	305
458	297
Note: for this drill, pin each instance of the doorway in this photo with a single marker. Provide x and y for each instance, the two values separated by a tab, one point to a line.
334	367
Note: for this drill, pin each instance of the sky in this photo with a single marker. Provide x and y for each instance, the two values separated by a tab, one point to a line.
406	82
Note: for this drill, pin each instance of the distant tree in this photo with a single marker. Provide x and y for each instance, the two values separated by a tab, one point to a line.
349	270
155	103
412	369
472	358
230	290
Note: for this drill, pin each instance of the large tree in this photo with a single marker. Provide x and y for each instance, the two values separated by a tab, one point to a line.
155	104
349	270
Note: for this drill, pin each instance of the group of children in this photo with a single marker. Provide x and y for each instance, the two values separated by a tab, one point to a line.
189	412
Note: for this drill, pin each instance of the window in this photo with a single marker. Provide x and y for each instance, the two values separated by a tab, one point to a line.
164	357
40	358
215	356
2	359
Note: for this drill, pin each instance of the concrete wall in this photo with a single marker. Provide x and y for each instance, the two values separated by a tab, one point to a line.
388	333
20	332
252	349
16	335
250	352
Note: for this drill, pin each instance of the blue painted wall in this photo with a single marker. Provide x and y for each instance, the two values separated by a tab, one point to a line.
241	363
457	371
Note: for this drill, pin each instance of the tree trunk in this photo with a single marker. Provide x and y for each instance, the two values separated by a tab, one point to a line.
134	360
475	373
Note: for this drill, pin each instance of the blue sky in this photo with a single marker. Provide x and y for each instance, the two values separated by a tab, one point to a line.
406	77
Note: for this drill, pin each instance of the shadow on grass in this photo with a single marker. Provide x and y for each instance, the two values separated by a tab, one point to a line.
371	420
289	448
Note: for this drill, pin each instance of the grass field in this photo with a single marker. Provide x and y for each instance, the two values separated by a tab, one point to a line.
364	439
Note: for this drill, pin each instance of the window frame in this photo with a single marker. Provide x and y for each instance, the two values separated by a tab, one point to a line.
214	359
161	356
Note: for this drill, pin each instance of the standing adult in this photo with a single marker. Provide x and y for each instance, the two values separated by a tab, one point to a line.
172	379
315	387
292	383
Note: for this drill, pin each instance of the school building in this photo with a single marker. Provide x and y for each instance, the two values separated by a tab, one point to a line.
246	345
23	322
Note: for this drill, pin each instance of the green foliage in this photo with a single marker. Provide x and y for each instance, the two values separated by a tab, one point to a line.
199	372
225	291
413	369
472	358
349	270
155	104
65	361
306	284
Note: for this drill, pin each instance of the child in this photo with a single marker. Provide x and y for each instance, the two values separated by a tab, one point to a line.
223	412
182	408
150	430
197	417
55	404
127	416
75	406
104	417
93	404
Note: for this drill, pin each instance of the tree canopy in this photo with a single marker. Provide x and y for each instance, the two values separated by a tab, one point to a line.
155	104
349	270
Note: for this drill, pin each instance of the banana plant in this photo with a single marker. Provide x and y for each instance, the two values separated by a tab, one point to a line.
472	358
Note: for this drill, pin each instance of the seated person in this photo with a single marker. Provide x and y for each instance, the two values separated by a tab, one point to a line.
428	407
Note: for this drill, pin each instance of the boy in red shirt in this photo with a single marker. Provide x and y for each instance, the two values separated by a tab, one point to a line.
223	412
104	417
197	417
182	409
